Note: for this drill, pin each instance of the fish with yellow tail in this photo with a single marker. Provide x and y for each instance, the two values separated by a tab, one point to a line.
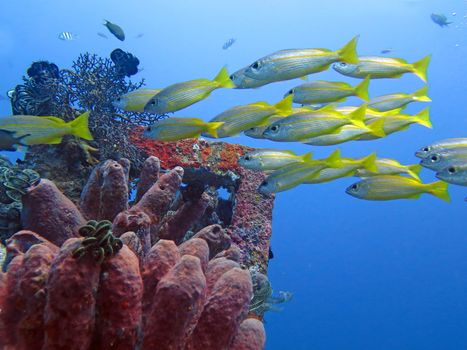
296	63
241	118
388	187
321	91
136	100
45	130
180	95
394	101
176	128
304	125
398	122
347	133
348	168
383	67
386	166
271	159
295	174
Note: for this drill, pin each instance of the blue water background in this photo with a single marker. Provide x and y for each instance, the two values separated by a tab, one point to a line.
365	275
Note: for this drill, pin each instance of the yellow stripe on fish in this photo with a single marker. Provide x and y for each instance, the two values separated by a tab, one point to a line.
182	95
386	166
270	159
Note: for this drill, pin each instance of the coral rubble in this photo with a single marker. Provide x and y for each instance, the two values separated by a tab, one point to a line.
173	292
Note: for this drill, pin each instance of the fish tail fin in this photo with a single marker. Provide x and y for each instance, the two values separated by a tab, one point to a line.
349	52
422	95
420	67
361	90
284	106
80	126
211	128
20	139
223	79
357	117
423	118
414	171
334	159
440	190
369	163
377	128
307	156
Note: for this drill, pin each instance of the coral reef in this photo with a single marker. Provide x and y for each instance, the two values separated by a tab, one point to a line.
150	293
13	184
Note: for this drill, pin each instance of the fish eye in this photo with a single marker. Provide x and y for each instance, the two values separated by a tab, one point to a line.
153	102
119	99
354	187
426	149
343	64
451	170
265	183
274	128
247	158
434	158
255	65
232	77
148	128
291	91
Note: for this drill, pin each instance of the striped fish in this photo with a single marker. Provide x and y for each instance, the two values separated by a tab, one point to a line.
66	36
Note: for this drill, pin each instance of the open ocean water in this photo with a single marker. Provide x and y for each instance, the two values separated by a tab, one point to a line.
364	275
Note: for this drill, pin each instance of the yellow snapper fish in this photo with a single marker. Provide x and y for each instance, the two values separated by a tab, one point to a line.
181	95
295	174
271	159
388	187
136	100
349	168
45	130
399	122
441	145
383	67
394	101
243	81
296	63
240	118
444	158
386	166
321	91
347	133
370	113
454	174
304	125
176	128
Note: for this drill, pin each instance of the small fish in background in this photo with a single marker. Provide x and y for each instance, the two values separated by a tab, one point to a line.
386	51
140	35
67	36
388	187
8	140
378	67
425	151
228	44
454	174
115	29
176	128
440	19
102	35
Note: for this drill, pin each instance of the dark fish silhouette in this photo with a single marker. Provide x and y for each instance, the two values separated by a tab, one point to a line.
440	19
8	140
140	35
115	29
385	51
228	43
102	35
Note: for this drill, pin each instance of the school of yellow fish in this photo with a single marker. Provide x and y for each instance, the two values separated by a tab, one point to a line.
318	122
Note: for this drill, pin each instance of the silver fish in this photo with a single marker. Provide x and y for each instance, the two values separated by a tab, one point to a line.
440	145
242	81
439	160
228	43
66	36
455	174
